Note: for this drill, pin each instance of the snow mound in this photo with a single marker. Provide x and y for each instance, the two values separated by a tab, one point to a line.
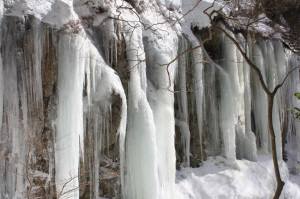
218	179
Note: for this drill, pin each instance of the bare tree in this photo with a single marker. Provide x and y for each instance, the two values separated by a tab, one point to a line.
252	19
252	16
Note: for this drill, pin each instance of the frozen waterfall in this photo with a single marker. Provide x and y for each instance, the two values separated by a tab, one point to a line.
123	99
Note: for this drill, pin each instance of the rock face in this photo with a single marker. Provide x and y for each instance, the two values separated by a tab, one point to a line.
286	13
97	99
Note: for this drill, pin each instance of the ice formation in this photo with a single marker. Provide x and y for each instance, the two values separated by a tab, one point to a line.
69	113
141	151
1	74
105	99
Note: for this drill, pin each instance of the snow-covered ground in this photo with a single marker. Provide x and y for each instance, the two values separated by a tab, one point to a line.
219	179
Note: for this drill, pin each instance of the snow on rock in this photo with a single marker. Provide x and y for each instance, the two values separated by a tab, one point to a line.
171	4
54	12
38	8
193	12
61	13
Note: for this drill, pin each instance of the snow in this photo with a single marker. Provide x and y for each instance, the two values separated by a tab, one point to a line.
295	179
173	4
242	179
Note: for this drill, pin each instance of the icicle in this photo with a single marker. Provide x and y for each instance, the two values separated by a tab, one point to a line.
88	83
104	83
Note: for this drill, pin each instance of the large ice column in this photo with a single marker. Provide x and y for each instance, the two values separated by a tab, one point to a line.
1	93
259	101
211	119
1	78
238	73
295	141
161	48
211	112
245	139
21	96
270	57
273	78
249	142
293	137
71	55
11	132
2	166
227	108
239	95
141	161
190	71
282	57
198	60
182	117
103	85
275	65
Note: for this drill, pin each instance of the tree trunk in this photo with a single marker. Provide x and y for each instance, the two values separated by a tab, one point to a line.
279	181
